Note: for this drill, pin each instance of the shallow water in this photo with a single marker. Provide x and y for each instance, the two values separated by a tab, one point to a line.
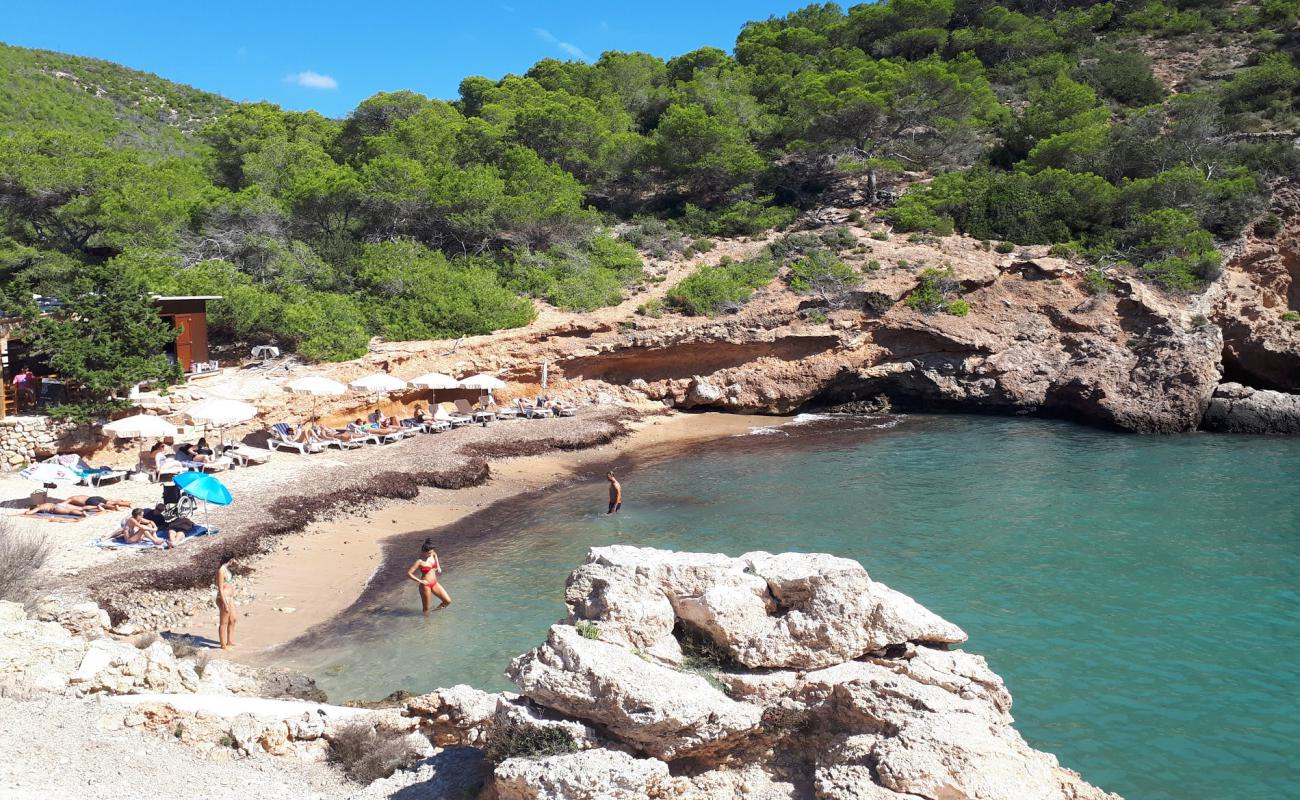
1140	595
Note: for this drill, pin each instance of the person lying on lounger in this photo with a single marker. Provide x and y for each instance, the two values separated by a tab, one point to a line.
96	501
161	461
383	428
65	509
419	415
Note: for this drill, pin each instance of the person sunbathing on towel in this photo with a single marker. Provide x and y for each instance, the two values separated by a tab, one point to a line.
95	501
136	528
64	509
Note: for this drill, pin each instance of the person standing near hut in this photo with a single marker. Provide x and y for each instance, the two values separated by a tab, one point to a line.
615	493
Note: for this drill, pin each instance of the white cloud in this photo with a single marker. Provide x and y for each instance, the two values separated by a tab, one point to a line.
571	49
311	80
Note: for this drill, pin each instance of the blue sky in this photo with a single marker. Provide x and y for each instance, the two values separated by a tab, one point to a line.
329	56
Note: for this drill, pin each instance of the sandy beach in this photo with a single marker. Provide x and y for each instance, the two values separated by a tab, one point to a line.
311	576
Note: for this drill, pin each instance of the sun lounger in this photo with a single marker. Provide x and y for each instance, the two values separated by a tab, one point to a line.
505	412
448	413
170	468
281	439
389	438
477	415
563	409
342	444
89	476
246	456
365	437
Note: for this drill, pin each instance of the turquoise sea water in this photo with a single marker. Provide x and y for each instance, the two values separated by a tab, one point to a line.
1140	595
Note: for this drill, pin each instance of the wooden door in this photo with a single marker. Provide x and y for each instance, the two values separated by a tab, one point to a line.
184	341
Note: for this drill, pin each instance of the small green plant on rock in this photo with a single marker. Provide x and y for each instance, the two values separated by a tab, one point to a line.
1291	316
880	236
938	290
1096	283
653	308
872	266
839	238
587	629
816	316
702	657
1005	247
877	302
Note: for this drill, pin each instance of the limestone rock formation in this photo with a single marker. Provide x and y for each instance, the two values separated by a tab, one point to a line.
794	677
1260	285
589	775
1240	409
652	707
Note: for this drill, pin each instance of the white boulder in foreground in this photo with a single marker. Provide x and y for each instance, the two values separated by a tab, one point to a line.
777	677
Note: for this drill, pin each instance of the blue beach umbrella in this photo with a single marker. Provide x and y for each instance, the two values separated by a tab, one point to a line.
204	487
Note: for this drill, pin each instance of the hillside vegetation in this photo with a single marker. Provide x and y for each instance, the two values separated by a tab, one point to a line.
1029	121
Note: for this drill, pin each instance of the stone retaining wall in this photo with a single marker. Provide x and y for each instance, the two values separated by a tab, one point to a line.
24	440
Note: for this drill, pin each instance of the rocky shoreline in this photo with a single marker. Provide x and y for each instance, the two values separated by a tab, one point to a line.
675	675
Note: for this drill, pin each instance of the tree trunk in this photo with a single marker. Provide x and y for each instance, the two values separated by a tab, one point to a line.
871	186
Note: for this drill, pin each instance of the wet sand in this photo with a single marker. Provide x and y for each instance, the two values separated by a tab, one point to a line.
311	577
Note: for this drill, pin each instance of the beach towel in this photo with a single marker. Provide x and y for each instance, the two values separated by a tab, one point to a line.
50	516
117	544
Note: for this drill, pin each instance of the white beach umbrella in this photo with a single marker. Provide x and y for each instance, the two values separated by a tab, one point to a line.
378	382
436	380
221	413
48	473
316	385
483	381
140	426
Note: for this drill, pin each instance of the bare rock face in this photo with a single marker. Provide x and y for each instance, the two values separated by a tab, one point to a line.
1260	284
1240	409
589	775
793	610
659	711
820	684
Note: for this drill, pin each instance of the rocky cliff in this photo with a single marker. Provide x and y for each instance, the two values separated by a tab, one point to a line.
1039	338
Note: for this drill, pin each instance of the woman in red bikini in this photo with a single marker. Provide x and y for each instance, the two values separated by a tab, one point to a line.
428	568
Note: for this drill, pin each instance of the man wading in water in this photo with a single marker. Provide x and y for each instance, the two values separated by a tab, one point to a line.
615	493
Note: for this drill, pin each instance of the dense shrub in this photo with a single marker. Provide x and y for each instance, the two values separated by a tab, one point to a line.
1124	76
745	218
822	274
576	278
938	290
877	302
1269	226
839	238
712	290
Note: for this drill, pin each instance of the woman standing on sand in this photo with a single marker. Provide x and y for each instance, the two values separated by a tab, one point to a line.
226	603
428	567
